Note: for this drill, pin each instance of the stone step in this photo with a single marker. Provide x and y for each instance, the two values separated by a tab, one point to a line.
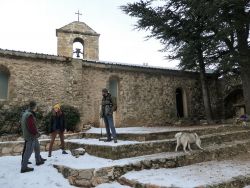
163	133
151	147
95	176
122	151
236	182
212	174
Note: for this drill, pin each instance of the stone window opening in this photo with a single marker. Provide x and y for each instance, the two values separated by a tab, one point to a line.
181	103
113	87
4	82
78	48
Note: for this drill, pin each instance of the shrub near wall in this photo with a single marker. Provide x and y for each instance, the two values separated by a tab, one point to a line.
10	119
72	118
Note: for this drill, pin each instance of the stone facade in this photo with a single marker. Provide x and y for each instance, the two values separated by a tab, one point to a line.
146	96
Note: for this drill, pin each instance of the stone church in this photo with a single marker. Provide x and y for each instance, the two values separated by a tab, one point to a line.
146	96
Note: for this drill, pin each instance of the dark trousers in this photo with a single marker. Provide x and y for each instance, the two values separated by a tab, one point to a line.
29	146
109	124
53	137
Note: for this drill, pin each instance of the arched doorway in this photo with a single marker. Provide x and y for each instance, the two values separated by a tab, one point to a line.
181	103
113	87
234	104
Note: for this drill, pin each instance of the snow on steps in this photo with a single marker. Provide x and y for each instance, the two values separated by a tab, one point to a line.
160	133
133	149
95	176
212	174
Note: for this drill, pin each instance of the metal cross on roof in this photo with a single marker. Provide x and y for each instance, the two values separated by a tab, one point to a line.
78	14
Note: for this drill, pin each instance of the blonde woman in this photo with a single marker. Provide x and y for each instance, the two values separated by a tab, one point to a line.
57	126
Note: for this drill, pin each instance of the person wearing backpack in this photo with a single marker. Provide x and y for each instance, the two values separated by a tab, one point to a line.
107	108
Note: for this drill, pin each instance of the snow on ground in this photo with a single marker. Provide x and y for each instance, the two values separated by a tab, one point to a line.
147	130
47	175
112	185
42	176
93	141
89	161
196	175
186	177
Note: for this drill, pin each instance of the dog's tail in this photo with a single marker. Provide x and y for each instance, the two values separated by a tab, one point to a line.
196	135
177	135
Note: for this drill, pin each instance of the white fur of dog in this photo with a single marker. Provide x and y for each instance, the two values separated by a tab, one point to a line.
185	139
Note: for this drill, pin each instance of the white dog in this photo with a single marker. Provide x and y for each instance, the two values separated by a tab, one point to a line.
185	139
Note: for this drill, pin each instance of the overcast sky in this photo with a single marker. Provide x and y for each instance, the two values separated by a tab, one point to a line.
30	25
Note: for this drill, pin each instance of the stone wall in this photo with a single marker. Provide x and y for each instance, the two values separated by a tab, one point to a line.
47	81
146	96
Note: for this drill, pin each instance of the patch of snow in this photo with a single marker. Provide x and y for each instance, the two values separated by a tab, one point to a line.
89	161
42	176
93	141
197	175
112	185
147	130
80	149
47	176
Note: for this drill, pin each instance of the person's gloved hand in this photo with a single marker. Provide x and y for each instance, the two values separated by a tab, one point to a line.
38	135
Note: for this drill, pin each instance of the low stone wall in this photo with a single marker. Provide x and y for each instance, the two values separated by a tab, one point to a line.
93	177
13	148
16	137
16	147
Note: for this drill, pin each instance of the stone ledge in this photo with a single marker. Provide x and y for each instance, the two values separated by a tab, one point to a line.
236	182
31	55
16	147
167	134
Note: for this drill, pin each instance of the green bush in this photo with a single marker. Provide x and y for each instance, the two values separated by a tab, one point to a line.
10	119
72	117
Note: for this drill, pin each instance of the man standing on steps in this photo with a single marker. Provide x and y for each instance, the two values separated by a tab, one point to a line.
108	107
30	134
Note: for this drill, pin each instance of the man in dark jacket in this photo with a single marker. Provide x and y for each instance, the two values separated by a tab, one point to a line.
108	107
30	134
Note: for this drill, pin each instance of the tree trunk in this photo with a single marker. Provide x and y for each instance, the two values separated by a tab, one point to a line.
205	93
245	77
244	60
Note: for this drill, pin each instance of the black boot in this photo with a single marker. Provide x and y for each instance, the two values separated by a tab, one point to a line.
64	152
42	159
28	169
108	140
39	163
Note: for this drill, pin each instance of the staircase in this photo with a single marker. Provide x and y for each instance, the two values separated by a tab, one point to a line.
153	152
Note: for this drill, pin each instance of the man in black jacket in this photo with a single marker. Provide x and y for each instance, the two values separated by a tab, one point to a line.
108	107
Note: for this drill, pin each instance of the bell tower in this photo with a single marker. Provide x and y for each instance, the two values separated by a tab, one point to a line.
81	33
